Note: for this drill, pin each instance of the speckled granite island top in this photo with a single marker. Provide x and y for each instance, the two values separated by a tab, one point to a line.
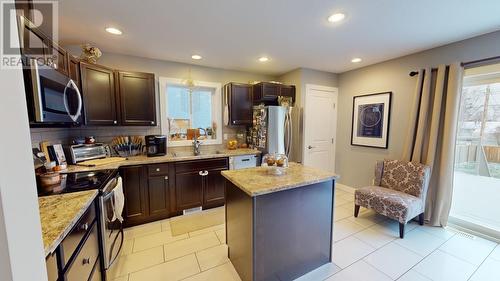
59	213
257	181
181	156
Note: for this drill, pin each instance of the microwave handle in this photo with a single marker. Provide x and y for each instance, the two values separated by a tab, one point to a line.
37	94
80	102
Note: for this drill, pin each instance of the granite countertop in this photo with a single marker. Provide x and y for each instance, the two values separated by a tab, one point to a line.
182	156
59	213
257	181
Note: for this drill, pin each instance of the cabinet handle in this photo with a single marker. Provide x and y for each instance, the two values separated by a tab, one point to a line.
157	169
84	226
203	173
200	173
86	261
152	122
114	122
166	178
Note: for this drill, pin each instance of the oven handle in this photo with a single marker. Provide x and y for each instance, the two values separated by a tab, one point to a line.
80	102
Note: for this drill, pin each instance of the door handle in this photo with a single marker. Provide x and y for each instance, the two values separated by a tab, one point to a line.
310	147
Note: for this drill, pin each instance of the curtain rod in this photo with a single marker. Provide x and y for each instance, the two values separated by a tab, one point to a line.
469	64
479	62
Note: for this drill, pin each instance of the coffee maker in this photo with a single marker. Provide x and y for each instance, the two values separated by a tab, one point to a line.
156	145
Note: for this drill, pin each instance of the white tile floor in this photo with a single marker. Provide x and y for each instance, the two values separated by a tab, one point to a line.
366	248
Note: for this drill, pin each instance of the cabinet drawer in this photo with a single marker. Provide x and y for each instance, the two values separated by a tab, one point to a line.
70	243
84	262
198	165
158	169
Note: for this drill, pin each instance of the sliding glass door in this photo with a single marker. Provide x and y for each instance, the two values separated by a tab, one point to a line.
476	190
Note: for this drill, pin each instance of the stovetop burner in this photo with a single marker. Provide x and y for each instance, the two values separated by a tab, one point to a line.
80	181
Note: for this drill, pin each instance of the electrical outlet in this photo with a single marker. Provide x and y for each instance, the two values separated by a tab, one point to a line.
225	136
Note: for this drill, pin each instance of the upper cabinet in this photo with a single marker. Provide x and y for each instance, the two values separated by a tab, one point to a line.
266	92
136	93
239	99
98	90
117	97
74	70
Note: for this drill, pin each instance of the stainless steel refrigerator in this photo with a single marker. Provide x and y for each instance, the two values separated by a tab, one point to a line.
272	129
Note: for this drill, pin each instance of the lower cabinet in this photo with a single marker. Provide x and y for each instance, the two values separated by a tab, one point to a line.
199	183
78	256
135	191
213	188
159	191
188	190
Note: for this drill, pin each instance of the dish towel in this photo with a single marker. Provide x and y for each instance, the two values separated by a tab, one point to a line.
119	199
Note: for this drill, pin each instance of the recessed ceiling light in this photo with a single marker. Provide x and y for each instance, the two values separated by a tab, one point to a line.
263	59
114	31
355	60
336	17
196	57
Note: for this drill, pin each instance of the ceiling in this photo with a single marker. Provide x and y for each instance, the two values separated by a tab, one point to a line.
233	34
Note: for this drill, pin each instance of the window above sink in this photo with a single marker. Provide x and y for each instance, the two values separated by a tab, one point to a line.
190	110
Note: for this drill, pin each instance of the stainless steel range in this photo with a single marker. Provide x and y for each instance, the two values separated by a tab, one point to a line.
108	182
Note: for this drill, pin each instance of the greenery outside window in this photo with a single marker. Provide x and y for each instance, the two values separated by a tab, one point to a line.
190	110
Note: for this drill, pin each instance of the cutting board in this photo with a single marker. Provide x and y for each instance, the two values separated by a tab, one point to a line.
100	162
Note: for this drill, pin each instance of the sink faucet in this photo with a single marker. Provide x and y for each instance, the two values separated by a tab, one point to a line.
196	147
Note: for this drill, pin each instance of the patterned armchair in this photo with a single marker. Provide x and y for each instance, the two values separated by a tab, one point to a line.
398	192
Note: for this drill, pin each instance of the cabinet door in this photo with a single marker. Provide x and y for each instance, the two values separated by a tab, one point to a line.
59	58
240	104
34	43
74	69
213	188
188	190
288	91
137	98
158	195
98	86
134	188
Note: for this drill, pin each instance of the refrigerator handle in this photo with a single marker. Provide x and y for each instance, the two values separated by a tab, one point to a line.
288	134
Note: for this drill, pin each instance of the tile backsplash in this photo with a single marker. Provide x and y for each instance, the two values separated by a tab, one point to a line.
106	134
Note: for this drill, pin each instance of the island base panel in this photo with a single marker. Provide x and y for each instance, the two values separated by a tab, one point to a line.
289	233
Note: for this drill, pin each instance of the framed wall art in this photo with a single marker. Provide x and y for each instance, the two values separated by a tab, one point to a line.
370	120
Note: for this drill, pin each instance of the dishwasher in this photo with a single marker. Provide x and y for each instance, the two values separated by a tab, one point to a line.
242	162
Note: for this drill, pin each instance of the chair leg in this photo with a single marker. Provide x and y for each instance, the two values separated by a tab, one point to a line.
421	219
356	210
401	230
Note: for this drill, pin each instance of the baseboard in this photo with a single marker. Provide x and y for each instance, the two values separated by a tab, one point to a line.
345	188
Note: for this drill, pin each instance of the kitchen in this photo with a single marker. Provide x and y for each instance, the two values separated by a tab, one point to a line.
162	141
155	148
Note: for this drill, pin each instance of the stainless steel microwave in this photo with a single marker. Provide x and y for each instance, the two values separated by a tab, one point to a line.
53	98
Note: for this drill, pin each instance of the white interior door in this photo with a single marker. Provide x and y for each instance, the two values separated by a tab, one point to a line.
320	125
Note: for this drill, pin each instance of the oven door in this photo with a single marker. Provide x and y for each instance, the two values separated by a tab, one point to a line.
56	97
112	229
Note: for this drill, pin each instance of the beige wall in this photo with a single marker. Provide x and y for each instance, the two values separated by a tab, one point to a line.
300	77
355	164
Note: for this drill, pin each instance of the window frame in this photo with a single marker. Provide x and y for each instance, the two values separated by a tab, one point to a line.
216	109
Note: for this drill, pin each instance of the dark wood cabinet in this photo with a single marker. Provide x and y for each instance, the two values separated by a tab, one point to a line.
74	69
59	59
199	183
158	195
136	92
213	188
135	191
239	99
98	87
34	43
266	92
158	191
188	190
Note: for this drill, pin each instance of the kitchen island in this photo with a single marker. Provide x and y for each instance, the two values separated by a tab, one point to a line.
279	227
